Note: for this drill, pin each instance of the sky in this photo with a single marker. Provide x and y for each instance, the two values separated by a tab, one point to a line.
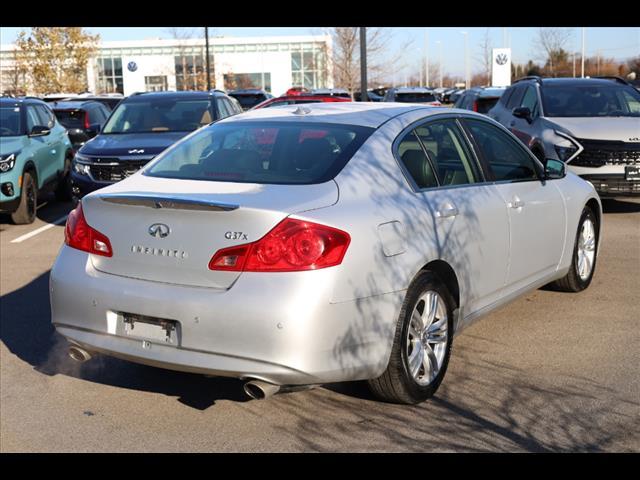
616	42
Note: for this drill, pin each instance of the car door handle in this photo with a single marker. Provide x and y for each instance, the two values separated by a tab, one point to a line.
516	203
448	211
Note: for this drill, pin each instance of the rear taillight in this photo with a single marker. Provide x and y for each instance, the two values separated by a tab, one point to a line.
293	245
78	234
475	106
87	124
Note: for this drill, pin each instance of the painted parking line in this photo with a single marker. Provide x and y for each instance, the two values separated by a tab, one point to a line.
27	236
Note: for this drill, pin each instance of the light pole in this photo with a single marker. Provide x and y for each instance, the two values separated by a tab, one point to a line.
426	49
206	42
363	64
583	35
467	82
439	43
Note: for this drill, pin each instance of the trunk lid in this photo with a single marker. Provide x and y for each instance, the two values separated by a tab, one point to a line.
174	243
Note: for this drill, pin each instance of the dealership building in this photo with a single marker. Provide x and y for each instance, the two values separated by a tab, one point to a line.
274	64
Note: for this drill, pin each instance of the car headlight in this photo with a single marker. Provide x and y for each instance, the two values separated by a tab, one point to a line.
565	147
8	162
79	165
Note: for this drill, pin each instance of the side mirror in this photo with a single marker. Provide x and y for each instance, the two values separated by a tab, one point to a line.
522	112
554	169
94	129
39	130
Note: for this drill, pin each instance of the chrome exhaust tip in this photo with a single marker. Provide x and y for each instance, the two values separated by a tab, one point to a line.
259	390
79	354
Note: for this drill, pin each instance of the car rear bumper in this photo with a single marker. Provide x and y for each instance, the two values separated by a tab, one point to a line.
280	328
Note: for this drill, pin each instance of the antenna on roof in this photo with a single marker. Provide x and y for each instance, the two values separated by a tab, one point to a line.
302	111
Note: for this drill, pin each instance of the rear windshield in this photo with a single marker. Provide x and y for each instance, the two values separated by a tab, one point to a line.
249	100
70	118
159	115
486	104
590	101
262	152
415	97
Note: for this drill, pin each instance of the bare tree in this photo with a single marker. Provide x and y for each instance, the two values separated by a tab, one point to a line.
190	75
551	43
484	57
346	56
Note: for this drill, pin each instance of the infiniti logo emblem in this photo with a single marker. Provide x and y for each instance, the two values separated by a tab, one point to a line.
159	230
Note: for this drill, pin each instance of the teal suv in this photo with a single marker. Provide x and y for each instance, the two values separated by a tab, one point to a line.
35	156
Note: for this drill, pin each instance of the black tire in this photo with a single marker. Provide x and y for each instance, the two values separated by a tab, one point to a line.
572	282
63	190
26	212
396	384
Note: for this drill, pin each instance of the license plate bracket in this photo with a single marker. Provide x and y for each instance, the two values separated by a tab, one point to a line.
632	173
156	330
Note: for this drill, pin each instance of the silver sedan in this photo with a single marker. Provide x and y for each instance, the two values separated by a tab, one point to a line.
297	246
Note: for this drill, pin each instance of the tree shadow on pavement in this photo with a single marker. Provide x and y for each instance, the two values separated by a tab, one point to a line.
27	332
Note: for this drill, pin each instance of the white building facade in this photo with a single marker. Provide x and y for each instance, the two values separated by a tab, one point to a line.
274	64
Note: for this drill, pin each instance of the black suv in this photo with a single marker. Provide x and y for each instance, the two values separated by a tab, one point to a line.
591	124
250	97
479	99
142	126
82	119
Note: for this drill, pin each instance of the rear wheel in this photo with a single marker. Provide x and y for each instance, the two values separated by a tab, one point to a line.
26	212
585	252
422	344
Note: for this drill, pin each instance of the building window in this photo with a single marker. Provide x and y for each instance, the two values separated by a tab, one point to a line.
308	68
234	81
191	71
109	75
157	83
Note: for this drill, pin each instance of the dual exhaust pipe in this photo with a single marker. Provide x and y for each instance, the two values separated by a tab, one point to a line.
256	389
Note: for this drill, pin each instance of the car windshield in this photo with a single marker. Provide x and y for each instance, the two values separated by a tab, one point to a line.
10	123
156	115
262	152
415	97
590	101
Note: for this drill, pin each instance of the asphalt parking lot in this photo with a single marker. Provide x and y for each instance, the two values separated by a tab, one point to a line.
549	372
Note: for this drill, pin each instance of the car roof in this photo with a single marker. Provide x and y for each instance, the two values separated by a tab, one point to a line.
17	101
348	113
69	104
141	96
247	91
570	81
412	90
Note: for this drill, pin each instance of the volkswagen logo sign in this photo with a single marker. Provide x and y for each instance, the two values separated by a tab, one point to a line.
159	230
132	66
501	58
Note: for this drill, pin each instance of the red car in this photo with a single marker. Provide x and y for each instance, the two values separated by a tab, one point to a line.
296	91
295	99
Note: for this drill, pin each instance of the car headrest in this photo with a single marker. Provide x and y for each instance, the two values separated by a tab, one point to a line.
234	160
313	153
418	167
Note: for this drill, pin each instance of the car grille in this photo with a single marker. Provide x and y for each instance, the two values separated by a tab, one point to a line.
114	173
600	153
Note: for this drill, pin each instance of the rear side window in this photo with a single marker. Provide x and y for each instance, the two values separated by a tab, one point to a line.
223	111
262	152
416	163
508	160
448	152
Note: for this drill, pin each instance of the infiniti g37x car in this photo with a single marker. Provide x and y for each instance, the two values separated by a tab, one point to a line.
302	245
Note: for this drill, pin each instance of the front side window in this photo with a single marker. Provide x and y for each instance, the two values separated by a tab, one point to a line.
508	160
10	122
448	152
262	152
158	115
530	100
45	116
590	100
32	118
516	97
